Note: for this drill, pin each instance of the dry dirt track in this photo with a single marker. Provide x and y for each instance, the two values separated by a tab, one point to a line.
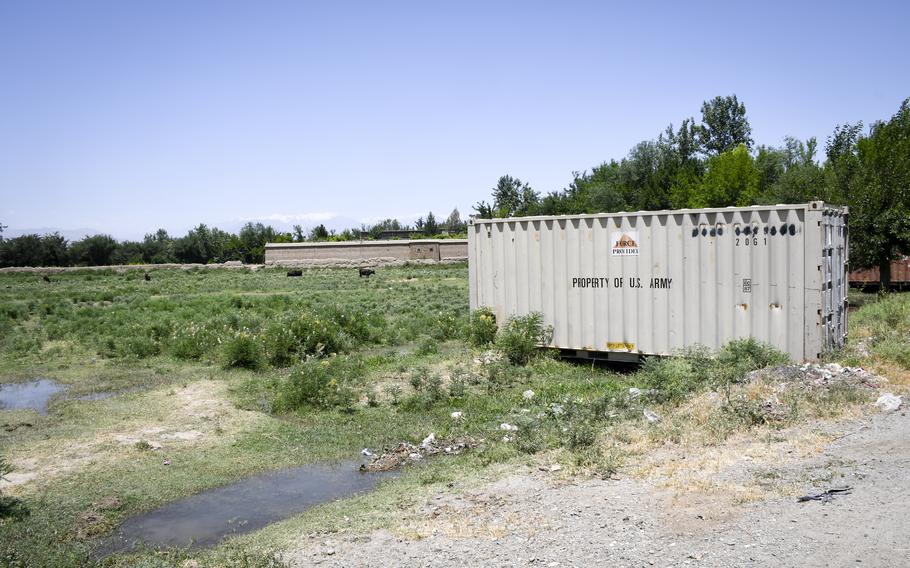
527	520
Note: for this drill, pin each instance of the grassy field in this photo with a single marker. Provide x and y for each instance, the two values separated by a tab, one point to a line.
225	374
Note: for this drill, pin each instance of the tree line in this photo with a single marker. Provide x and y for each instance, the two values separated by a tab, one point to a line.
428	227
202	244
715	163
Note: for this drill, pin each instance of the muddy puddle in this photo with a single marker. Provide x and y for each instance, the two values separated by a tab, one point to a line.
37	394
33	394
206	518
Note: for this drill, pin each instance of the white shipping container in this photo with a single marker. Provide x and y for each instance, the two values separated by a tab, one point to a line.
622	285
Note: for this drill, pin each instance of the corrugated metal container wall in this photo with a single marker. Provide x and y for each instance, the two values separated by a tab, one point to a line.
656	282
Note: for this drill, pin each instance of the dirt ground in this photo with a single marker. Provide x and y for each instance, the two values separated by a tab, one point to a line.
537	518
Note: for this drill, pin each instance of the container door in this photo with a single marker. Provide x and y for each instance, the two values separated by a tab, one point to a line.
834	279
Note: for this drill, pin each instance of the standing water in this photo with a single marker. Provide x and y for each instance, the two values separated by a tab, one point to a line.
33	394
204	519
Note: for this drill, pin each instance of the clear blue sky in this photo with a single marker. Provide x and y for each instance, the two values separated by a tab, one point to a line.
126	116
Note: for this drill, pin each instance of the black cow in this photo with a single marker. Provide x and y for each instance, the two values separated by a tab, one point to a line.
148	277
46	278
366	272
295	273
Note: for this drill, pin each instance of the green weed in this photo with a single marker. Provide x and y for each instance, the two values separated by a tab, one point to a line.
521	338
482	327
321	383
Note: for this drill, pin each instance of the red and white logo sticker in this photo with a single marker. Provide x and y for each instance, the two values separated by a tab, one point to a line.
625	243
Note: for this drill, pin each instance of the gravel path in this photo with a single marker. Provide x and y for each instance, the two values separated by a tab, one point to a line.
530	519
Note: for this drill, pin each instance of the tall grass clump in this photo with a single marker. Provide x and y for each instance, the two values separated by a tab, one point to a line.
521	338
322	383
243	351
192	341
482	327
888	321
748	354
330	330
448	325
673	378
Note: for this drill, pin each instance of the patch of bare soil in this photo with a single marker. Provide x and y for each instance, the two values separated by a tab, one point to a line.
542	519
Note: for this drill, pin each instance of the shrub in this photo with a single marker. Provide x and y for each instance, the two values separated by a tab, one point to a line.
281	345
499	374
530	437
419	378
321	383
141	347
520	338
482	327
394	394
670	378
243	350
434	392
306	334
458	387
318	335
895	350
602	463
191	342
448	326
14	311
361	325
427	347
428	390
740	356
581	434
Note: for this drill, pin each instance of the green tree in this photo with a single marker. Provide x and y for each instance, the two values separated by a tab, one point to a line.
685	186
872	175
385	225
253	237
202	245
731	179
128	252
601	190
643	179
790	174
652	176
724	125
24	250
604	188
34	250
511	198
54	250
771	164
158	248
94	250
453	223
298	236
430	226
319	233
